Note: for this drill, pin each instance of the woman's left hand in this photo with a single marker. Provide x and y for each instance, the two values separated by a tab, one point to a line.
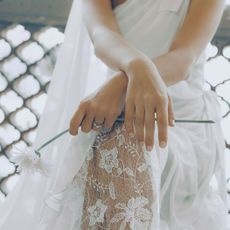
104	105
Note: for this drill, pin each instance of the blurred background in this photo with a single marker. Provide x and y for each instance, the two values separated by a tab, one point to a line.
30	35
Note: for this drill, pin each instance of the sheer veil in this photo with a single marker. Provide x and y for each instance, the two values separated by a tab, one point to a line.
35	200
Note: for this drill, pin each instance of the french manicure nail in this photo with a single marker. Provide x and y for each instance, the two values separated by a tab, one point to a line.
163	144
149	148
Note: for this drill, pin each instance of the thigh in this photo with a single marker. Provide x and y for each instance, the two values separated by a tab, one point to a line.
118	187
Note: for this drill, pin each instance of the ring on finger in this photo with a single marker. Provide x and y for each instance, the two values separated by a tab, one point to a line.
97	125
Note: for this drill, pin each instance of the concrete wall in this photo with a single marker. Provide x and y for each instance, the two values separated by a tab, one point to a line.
41	11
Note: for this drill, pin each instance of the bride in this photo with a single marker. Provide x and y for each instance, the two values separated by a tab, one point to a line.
127	162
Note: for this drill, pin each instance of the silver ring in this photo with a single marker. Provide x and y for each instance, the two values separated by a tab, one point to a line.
97	125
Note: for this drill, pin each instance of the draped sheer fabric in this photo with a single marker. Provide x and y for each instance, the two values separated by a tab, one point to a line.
105	180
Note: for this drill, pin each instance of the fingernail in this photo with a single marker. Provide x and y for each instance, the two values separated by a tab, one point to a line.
163	144
173	122
149	148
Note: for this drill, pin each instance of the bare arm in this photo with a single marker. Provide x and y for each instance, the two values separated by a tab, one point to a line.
147	95
198	29
196	32
109	45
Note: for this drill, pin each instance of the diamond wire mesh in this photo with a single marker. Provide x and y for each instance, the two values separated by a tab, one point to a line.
27	58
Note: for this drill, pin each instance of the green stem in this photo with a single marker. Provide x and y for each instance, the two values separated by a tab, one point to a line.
195	121
52	139
119	119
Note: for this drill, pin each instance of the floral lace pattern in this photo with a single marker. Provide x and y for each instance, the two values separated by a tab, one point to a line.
109	159
134	213
119	190
97	212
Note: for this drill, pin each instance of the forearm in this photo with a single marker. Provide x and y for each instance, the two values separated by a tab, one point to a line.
174	66
114	50
197	31
199	26
120	79
109	44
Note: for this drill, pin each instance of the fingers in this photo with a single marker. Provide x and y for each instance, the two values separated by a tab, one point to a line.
171	117
89	113
76	120
87	122
162	124
144	120
129	114
110	118
99	120
149	126
139	122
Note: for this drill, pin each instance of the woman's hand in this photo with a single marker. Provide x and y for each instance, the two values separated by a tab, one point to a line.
146	95
105	104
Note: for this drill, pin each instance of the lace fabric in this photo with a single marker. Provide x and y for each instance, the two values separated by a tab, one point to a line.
116	185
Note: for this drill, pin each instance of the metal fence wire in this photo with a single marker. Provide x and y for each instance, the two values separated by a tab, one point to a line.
27	57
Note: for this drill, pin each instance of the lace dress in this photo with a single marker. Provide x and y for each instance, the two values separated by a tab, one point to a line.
115	185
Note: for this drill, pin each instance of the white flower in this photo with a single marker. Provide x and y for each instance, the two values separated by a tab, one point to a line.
97	212
134	213
109	159
27	159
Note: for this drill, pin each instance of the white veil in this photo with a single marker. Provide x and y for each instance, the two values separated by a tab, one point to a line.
35	198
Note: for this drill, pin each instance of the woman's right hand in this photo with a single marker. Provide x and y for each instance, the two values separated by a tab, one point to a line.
146	95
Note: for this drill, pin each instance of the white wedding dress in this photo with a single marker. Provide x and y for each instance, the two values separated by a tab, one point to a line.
104	180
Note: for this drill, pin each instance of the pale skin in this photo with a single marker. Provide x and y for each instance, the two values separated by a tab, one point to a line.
140	84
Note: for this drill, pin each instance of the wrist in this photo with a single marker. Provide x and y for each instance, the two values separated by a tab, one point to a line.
143	67
138	61
166	63
122	79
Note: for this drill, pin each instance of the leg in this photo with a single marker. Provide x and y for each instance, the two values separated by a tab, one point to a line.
118	190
